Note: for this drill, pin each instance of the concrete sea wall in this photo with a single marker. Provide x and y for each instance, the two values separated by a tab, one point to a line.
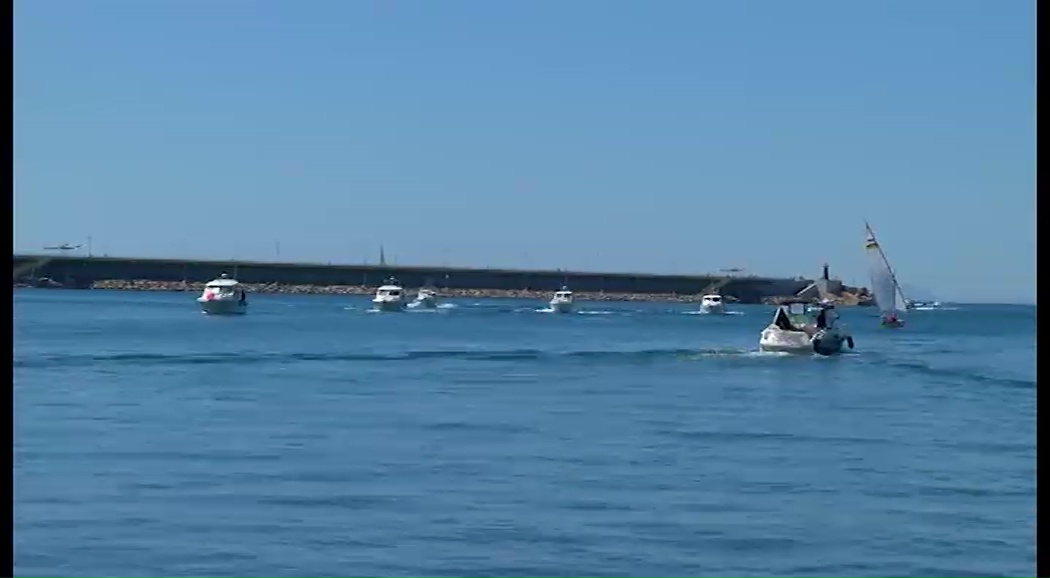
87	272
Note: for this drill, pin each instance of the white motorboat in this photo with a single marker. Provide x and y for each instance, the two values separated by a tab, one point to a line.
793	330
223	296
922	304
390	296
425	298
884	286
562	302
712	304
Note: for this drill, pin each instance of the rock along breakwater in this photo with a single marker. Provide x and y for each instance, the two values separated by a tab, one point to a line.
137	274
285	289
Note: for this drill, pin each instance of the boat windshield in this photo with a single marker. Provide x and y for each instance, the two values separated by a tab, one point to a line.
792	317
782	320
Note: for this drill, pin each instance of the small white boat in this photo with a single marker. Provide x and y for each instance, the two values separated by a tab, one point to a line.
390	296
562	302
793	330
223	296
712	304
425	298
922	304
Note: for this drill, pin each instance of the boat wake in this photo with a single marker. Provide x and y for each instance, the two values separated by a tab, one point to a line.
965	373
551	310
440	308
761	354
480	355
579	311
235	358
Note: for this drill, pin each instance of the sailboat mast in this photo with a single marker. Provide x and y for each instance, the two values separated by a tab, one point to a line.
887	262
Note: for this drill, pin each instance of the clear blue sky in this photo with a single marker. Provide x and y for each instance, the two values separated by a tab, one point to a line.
657	136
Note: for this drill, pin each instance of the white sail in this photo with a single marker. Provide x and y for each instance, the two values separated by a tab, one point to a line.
900	304
883	283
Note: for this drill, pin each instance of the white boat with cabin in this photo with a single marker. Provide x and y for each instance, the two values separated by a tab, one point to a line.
796	330
712	304
390	296
425	299
563	301
922	304
223	296
884	286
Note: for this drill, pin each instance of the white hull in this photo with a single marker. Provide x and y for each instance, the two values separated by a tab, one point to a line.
388	305
561	306
232	306
712	309
825	342
389	297
923	305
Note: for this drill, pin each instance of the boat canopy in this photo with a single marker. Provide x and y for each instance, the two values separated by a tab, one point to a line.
800	301
223	283
795	313
782	320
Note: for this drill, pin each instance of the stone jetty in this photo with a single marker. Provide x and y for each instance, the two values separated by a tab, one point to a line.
285	289
850	296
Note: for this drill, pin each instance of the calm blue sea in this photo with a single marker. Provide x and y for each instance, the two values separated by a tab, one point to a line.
314	438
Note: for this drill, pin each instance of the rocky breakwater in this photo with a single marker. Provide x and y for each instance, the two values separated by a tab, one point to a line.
286	289
849	297
858	298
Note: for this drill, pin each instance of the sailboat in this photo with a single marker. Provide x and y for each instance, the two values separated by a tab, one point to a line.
884	285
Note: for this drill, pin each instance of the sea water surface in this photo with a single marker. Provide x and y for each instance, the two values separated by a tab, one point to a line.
312	437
